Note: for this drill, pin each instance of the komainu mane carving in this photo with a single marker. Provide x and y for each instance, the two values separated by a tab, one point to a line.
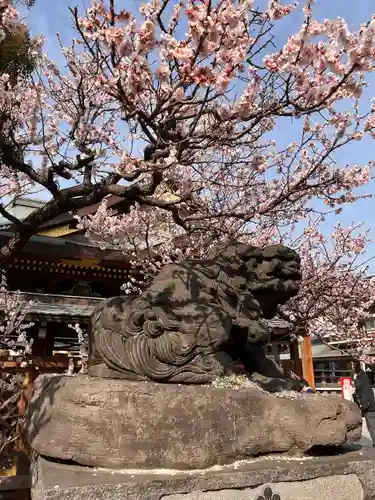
195	318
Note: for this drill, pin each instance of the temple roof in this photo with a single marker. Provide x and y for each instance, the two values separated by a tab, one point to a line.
65	247
62	312
59	237
22	207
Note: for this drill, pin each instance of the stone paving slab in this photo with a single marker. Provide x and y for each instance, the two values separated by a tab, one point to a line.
327	488
292	480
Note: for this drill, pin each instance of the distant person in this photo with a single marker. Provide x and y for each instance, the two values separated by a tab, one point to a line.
364	397
306	386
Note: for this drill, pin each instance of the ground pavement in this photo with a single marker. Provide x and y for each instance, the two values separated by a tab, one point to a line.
366	440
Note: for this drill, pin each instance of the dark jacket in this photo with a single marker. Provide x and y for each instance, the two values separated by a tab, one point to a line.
364	395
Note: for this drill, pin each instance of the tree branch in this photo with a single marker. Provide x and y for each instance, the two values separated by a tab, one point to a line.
11	218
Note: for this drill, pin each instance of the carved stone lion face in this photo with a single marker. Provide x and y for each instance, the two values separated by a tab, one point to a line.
274	275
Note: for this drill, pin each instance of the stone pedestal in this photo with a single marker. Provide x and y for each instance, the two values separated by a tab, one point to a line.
350	476
120	424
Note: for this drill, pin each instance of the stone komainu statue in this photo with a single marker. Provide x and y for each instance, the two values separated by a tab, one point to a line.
196	318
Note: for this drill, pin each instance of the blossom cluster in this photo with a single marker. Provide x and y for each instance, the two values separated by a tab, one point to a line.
10	20
13	324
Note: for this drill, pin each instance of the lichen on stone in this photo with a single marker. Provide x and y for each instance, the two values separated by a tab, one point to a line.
236	382
240	382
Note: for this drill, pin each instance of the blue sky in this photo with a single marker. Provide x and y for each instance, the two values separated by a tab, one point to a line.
51	16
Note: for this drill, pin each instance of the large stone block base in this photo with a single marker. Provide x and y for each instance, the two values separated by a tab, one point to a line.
120	424
347	477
